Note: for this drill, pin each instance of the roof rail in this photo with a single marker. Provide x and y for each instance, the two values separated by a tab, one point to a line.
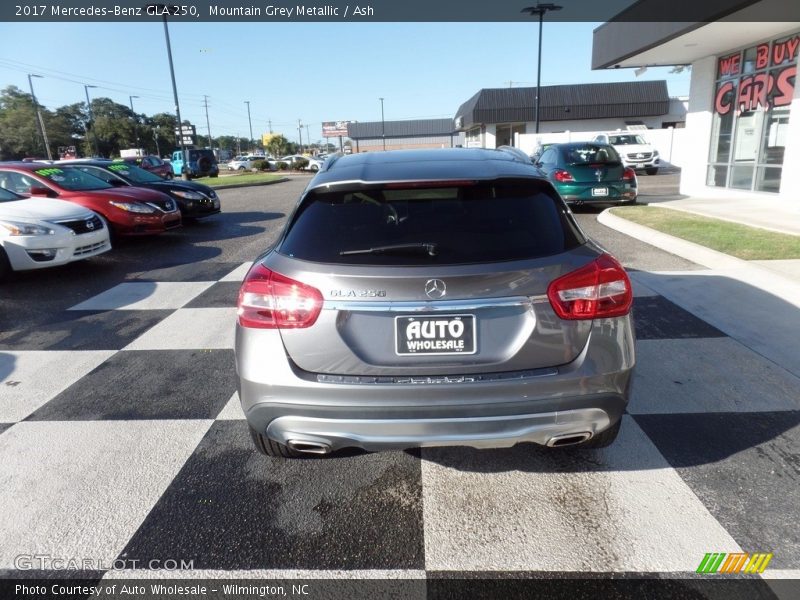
517	154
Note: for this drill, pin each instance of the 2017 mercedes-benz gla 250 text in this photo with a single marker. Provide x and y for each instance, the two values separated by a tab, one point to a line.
432	298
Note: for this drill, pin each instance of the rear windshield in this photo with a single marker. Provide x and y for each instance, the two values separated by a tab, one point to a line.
485	222
198	154
589	154
133	173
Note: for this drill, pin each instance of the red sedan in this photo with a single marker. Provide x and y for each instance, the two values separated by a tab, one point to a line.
153	164
128	210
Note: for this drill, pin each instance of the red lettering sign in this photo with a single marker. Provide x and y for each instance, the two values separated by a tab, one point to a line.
753	91
785	51
762	56
785	84
721	103
729	65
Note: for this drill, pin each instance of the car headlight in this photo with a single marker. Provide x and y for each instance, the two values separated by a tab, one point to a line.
187	194
10	228
132	207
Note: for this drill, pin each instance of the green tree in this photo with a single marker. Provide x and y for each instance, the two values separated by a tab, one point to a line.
278	146
19	132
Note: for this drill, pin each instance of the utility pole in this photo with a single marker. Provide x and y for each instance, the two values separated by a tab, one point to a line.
270	125
300	135
135	128
308	137
208	123
91	118
39	119
383	125
250	142
185	174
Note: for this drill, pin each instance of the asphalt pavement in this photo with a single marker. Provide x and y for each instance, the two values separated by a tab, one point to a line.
122	441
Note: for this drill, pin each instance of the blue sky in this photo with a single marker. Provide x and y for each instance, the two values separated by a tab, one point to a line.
289	71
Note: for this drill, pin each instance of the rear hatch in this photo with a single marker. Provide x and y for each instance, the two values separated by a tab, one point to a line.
592	164
445	279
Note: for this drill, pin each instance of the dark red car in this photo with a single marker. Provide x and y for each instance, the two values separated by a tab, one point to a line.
128	210
152	164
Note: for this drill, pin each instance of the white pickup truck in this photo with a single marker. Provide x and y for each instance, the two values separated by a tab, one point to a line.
634	151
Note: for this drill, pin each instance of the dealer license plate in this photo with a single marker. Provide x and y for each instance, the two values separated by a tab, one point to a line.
435	335
600	191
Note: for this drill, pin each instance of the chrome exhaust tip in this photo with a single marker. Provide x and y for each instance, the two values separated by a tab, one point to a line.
568	439
308	447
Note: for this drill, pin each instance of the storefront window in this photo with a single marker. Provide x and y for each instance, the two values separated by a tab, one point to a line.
754	90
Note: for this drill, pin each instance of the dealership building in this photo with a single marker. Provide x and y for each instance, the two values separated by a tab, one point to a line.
743	115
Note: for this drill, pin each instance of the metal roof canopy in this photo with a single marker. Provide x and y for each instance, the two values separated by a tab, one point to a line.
565	102
625	44
400	129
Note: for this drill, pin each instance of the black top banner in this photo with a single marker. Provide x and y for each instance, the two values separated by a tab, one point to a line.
401	11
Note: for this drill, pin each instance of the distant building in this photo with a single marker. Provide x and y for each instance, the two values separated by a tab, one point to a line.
744	105
400	135
493	116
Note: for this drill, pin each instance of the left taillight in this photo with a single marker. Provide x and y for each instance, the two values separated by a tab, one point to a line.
597	290
269	300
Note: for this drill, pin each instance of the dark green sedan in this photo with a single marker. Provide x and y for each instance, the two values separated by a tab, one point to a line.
589	173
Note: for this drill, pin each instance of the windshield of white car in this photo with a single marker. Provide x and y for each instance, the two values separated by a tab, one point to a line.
623	140
8	195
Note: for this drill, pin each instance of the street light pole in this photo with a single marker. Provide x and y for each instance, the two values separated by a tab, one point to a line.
208	123
383	125
250	141
135	128
162	7
300	135
540	9
91	118
39	119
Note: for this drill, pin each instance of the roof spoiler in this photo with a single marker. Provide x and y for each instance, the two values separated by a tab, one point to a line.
517	154
330	160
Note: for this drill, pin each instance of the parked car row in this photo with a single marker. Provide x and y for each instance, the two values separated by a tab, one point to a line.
245	163
54	212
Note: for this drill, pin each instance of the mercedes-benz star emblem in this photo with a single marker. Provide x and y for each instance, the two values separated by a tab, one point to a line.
435	288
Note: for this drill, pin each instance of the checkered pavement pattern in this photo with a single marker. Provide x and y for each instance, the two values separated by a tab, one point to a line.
121	437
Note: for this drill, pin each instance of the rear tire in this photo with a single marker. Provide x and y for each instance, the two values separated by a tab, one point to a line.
271	448
604	438
651	170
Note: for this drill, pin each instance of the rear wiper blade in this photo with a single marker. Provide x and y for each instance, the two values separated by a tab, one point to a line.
415	248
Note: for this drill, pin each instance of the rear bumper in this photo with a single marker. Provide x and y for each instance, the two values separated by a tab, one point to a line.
587	395
582	193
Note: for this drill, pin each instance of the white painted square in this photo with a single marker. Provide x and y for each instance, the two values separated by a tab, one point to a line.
708	375
619	509
94	481
145	295
238	273
32	378
189	329
232	410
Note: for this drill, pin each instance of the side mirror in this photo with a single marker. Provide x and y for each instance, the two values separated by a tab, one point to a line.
39	191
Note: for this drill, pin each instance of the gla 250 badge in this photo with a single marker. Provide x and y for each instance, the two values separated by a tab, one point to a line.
358	293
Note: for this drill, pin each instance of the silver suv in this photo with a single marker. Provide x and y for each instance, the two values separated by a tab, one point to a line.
430	298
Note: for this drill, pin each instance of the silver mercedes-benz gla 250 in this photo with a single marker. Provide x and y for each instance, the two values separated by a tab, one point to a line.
432	298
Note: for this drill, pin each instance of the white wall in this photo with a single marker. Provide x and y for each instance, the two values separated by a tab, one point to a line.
671	144
698	124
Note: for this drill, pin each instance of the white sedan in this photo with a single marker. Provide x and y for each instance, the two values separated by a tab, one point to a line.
40	232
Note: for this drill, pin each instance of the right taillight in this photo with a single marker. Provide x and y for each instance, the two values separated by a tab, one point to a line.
563	176
629	174
597	290
269	300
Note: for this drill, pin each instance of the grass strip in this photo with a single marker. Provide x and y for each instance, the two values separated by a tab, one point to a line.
741	241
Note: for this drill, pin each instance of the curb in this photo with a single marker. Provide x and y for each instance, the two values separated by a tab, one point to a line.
233	186
777	283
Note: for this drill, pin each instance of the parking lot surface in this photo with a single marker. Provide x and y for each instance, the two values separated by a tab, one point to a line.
121	437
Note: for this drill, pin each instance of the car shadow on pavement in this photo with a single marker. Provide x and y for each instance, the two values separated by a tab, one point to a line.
714	402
